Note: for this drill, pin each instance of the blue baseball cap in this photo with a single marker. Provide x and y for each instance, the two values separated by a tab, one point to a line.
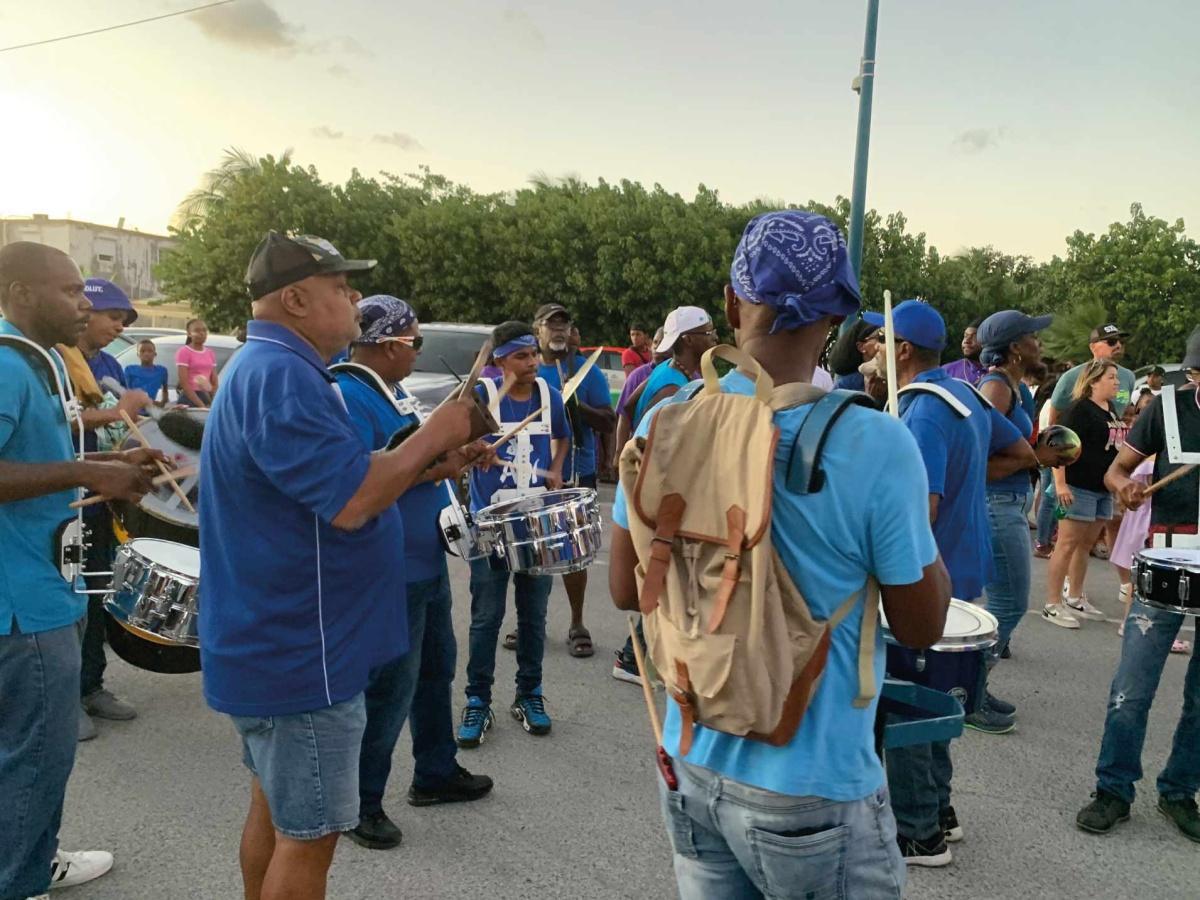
873	318
919	324
104	295
1002	328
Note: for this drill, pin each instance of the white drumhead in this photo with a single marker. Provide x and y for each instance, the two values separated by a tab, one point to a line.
177	557
1173	557
966	624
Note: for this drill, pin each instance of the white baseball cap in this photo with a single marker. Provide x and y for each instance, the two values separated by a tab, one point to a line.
680	320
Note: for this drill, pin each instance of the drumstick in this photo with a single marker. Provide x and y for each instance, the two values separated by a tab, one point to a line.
1163	482
663	759
473	376
512	432
186	472
162	467
568	392
889	335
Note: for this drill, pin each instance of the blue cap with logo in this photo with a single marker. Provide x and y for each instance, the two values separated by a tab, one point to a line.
104	295
920	324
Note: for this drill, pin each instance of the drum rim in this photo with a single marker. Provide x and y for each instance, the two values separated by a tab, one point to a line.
956	643
492	514
1191	566
130	547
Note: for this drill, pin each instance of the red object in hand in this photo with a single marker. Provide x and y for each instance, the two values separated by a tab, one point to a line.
667	770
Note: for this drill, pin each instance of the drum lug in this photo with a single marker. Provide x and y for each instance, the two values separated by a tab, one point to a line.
1144	581
1184	588
921	661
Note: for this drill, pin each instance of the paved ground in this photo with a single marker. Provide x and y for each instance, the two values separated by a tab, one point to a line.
574	815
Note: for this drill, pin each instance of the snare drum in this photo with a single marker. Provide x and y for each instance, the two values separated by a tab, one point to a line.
955	664
160	514
460	535
154	598
1168	578
551	533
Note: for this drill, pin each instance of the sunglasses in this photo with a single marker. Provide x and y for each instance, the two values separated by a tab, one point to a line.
712	332
1114	342
414	343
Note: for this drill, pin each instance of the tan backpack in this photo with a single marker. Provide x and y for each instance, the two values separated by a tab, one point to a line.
727	629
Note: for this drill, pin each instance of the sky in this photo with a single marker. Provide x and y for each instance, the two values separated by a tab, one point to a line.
1011	124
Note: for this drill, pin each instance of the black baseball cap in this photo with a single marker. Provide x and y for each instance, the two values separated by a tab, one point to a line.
546	310
279	260
1104	332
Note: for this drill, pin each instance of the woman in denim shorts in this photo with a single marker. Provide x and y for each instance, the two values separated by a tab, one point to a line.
1081	492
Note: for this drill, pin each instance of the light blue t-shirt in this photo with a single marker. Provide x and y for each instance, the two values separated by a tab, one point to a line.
662	376
955	451
33	429
870	518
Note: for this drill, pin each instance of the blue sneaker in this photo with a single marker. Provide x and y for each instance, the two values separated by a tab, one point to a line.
477	718
530	710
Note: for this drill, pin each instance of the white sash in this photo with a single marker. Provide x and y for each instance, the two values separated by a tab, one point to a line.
522	474
926	387
1178	456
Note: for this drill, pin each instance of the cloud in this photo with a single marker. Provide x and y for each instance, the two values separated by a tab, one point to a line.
251	24
324	131
398	139
337	70
523	28
976	140
344	45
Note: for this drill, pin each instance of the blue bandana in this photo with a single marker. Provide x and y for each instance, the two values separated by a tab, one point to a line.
520	343
383	317
795	262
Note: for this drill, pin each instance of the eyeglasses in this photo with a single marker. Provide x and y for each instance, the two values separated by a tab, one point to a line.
1113	342
414	343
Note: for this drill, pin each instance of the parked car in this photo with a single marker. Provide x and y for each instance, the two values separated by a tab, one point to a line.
135	333
1176	375
168	345
610	364
448	349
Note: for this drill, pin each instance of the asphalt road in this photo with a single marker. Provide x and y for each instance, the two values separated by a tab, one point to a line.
575	815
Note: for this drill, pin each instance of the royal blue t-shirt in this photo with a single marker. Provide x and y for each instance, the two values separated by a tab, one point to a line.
294	612
871	517
376	420
103	365
150	379
1017	482
485	484
663	376
955	451
581	458
33	429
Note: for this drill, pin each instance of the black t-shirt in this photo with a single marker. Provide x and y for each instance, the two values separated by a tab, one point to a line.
1176	504
1101	433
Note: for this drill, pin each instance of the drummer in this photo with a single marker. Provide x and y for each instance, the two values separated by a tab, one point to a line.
955	445
591	414
415	686
299	534
1171	433
528	464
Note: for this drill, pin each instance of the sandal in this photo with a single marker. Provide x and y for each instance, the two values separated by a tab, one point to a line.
579	642
510	641
1181	646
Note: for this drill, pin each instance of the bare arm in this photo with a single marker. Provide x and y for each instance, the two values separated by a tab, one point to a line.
917	612
1000	394
600	419
935	502
21	481
1016	456
622	561
1119	478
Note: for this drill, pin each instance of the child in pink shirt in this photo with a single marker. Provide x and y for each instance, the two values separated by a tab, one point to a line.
197	367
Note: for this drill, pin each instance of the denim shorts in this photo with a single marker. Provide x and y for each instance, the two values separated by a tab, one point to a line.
307	765
1090	505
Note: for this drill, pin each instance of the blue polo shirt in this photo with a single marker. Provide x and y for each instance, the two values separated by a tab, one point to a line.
868	518
294	612
33	429
485	484
955	452
581	460
376	420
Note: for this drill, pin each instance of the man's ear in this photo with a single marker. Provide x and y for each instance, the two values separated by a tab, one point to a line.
293	299
732	313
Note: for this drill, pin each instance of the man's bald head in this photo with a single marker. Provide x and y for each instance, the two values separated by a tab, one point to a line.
41	293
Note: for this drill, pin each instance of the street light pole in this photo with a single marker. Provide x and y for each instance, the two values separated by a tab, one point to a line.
864	84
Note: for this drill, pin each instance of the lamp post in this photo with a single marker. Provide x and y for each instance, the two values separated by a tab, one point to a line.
864	84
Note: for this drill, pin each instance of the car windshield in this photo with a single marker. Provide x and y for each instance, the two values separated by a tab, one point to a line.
456	348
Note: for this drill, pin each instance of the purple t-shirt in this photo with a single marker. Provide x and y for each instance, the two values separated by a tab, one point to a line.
635	380
968	370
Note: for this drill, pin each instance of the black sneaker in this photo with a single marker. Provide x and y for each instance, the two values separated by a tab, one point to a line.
931	852
989	721
376	831
1001	706
951	830
461	787
1103	813
1184	814
626	669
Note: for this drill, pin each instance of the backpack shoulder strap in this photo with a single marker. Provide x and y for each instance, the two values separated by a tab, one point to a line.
925	387
866	638
804	475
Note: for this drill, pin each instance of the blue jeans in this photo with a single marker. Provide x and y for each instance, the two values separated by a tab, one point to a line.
489	595
919	783
39	728
415	687
737	842
1149	633
1045	517
1008	592
307	766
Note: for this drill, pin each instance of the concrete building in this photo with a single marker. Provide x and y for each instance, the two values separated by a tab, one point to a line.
125	257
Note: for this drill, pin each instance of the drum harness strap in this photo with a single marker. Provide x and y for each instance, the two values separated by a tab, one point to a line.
1174	441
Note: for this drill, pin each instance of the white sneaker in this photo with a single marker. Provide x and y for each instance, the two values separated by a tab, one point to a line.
70	869
1056	614
1081	607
